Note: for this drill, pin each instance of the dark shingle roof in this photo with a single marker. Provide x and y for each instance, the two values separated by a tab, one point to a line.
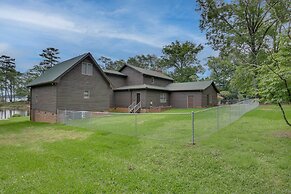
56	71
149	72
143	86
59	69
114	72
188	86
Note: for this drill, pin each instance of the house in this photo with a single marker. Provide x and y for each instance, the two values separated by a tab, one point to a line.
80	84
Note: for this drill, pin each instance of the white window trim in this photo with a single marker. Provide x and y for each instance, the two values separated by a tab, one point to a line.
86	96
87	68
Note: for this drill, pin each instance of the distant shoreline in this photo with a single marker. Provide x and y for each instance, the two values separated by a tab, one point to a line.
23	105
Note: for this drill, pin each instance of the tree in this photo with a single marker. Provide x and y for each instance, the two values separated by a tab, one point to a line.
144	61
50	58
9	76
249	29
181	59
244	27
275	76
222	69
22	80
148	61
109	64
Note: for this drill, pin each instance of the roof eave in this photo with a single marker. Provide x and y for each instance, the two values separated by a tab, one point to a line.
41	84
115	74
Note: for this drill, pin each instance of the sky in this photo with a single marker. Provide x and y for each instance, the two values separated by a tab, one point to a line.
113	28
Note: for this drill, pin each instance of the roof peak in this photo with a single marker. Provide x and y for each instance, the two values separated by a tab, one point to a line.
50	75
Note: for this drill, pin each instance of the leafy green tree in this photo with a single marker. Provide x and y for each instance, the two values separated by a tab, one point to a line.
245	28
222	69
109	64
275	76
181	60
144	61
22	80
248	29
241	24
148	61
9	76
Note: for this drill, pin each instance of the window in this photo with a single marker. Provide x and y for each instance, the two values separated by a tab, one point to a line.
163	97
86	94
87	69
153	80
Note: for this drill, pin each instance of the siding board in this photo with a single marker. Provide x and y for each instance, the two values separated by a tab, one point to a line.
179	99
213	95
133	77
117	81
157	81
43	98
71	87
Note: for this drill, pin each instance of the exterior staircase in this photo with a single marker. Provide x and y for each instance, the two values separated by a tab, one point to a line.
133	108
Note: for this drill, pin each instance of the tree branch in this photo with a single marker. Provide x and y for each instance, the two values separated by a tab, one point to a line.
284	115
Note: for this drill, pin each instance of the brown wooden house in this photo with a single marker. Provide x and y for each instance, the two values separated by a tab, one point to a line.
80	84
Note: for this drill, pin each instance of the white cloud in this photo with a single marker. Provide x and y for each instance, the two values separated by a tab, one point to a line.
57	22
30	17
154	33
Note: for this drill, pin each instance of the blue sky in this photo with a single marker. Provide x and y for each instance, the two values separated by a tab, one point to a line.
114	28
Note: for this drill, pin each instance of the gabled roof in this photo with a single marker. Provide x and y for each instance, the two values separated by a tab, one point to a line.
114	72
52	74
138	87
148	72
191	86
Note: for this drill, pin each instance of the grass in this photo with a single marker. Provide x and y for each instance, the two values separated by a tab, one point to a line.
252	155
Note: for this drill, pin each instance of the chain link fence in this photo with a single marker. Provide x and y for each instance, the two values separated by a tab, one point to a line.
176	125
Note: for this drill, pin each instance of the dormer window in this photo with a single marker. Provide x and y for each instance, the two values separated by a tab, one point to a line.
153	80
87	68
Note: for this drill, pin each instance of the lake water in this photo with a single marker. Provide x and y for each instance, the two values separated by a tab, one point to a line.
7	113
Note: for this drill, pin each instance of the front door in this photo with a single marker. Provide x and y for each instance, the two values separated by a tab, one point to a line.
137	98
189	101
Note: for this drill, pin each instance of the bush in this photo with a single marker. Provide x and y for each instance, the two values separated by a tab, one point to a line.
17	115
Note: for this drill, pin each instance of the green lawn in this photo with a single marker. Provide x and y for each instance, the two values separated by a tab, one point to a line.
252	155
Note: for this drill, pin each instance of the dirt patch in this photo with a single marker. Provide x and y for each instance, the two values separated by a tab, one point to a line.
45	135
283	134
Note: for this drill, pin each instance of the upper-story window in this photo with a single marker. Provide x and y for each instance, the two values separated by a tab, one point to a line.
87	68
153	80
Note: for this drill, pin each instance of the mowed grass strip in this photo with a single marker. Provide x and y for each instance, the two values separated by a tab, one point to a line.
251	155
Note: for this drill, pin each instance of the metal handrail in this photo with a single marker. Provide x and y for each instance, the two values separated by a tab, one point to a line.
131	107
137	107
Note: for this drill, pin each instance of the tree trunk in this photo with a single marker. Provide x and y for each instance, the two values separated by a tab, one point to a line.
284	115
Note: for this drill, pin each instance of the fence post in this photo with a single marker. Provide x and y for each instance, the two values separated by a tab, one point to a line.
135	123
192	115
217	118
65	117
230	113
